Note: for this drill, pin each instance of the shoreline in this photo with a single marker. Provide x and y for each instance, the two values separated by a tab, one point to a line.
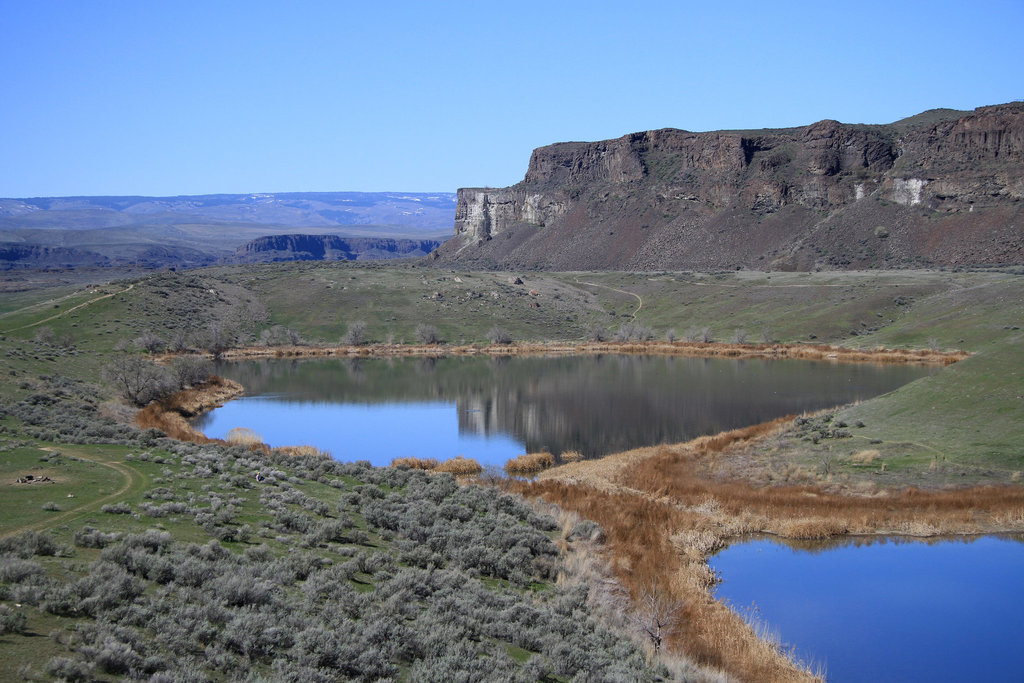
657	536
665	513
823	352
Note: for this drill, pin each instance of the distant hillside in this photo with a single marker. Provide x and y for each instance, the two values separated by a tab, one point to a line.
331	248
943	188
68	232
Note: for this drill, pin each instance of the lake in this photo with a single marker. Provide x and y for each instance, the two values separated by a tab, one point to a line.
493	409
890	609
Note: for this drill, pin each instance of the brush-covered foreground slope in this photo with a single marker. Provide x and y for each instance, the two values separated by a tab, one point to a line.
165	561
940	189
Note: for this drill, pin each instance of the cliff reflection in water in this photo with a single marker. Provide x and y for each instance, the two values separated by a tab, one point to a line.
593	404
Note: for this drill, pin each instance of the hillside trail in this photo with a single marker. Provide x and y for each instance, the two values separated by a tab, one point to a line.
63	313
640	301
132	478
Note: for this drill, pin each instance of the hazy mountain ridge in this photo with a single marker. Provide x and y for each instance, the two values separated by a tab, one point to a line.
69	232
943	188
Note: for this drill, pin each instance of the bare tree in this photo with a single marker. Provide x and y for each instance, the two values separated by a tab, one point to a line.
597	332
499	335
219	338
137	379
279	335
658	615
427	334
356	333
189	371
150	342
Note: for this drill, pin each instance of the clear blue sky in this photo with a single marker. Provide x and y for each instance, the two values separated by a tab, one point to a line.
160	98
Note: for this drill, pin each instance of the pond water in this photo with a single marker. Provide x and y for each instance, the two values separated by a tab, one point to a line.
887	609
493	409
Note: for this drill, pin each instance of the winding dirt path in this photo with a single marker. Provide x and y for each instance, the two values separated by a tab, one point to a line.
640	301
132	479
63	313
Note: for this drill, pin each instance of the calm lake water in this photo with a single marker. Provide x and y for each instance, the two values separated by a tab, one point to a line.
888	609
493	409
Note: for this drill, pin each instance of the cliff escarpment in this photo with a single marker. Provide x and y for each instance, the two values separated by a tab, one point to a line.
943	188
331	248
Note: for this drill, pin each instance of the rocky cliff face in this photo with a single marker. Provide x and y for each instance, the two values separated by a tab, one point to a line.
331	248
943	188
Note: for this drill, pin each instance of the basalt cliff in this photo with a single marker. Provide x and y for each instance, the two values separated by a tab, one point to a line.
944	188
331	248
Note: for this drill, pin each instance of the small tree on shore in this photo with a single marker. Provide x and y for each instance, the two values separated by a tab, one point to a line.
498	335
427	334
150	342
189	371
658	615
137	379
597	332
356	334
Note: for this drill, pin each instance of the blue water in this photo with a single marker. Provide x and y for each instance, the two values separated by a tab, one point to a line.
889	610
493	409
377	432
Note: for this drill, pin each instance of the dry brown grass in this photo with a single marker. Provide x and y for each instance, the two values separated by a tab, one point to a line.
460	466
571	456
664	512
243	436
416	463
865	457
529	463
169	414
662	348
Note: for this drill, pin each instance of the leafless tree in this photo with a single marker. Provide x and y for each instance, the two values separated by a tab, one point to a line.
658	615
356	333
189	371
150	342
137	379
427	334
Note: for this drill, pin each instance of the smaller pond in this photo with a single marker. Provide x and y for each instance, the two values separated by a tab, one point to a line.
887	609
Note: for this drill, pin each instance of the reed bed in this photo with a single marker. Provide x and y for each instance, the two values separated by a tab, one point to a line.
661	348
663	512
243	436
416	463
529	463
460	466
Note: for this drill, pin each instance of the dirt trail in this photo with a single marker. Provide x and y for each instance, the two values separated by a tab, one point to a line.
63	313
132	478
640	300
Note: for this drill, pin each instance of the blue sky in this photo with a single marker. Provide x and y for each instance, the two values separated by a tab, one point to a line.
165	98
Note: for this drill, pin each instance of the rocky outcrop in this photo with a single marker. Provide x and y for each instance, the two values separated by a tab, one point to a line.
945	188
331	248
15	256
